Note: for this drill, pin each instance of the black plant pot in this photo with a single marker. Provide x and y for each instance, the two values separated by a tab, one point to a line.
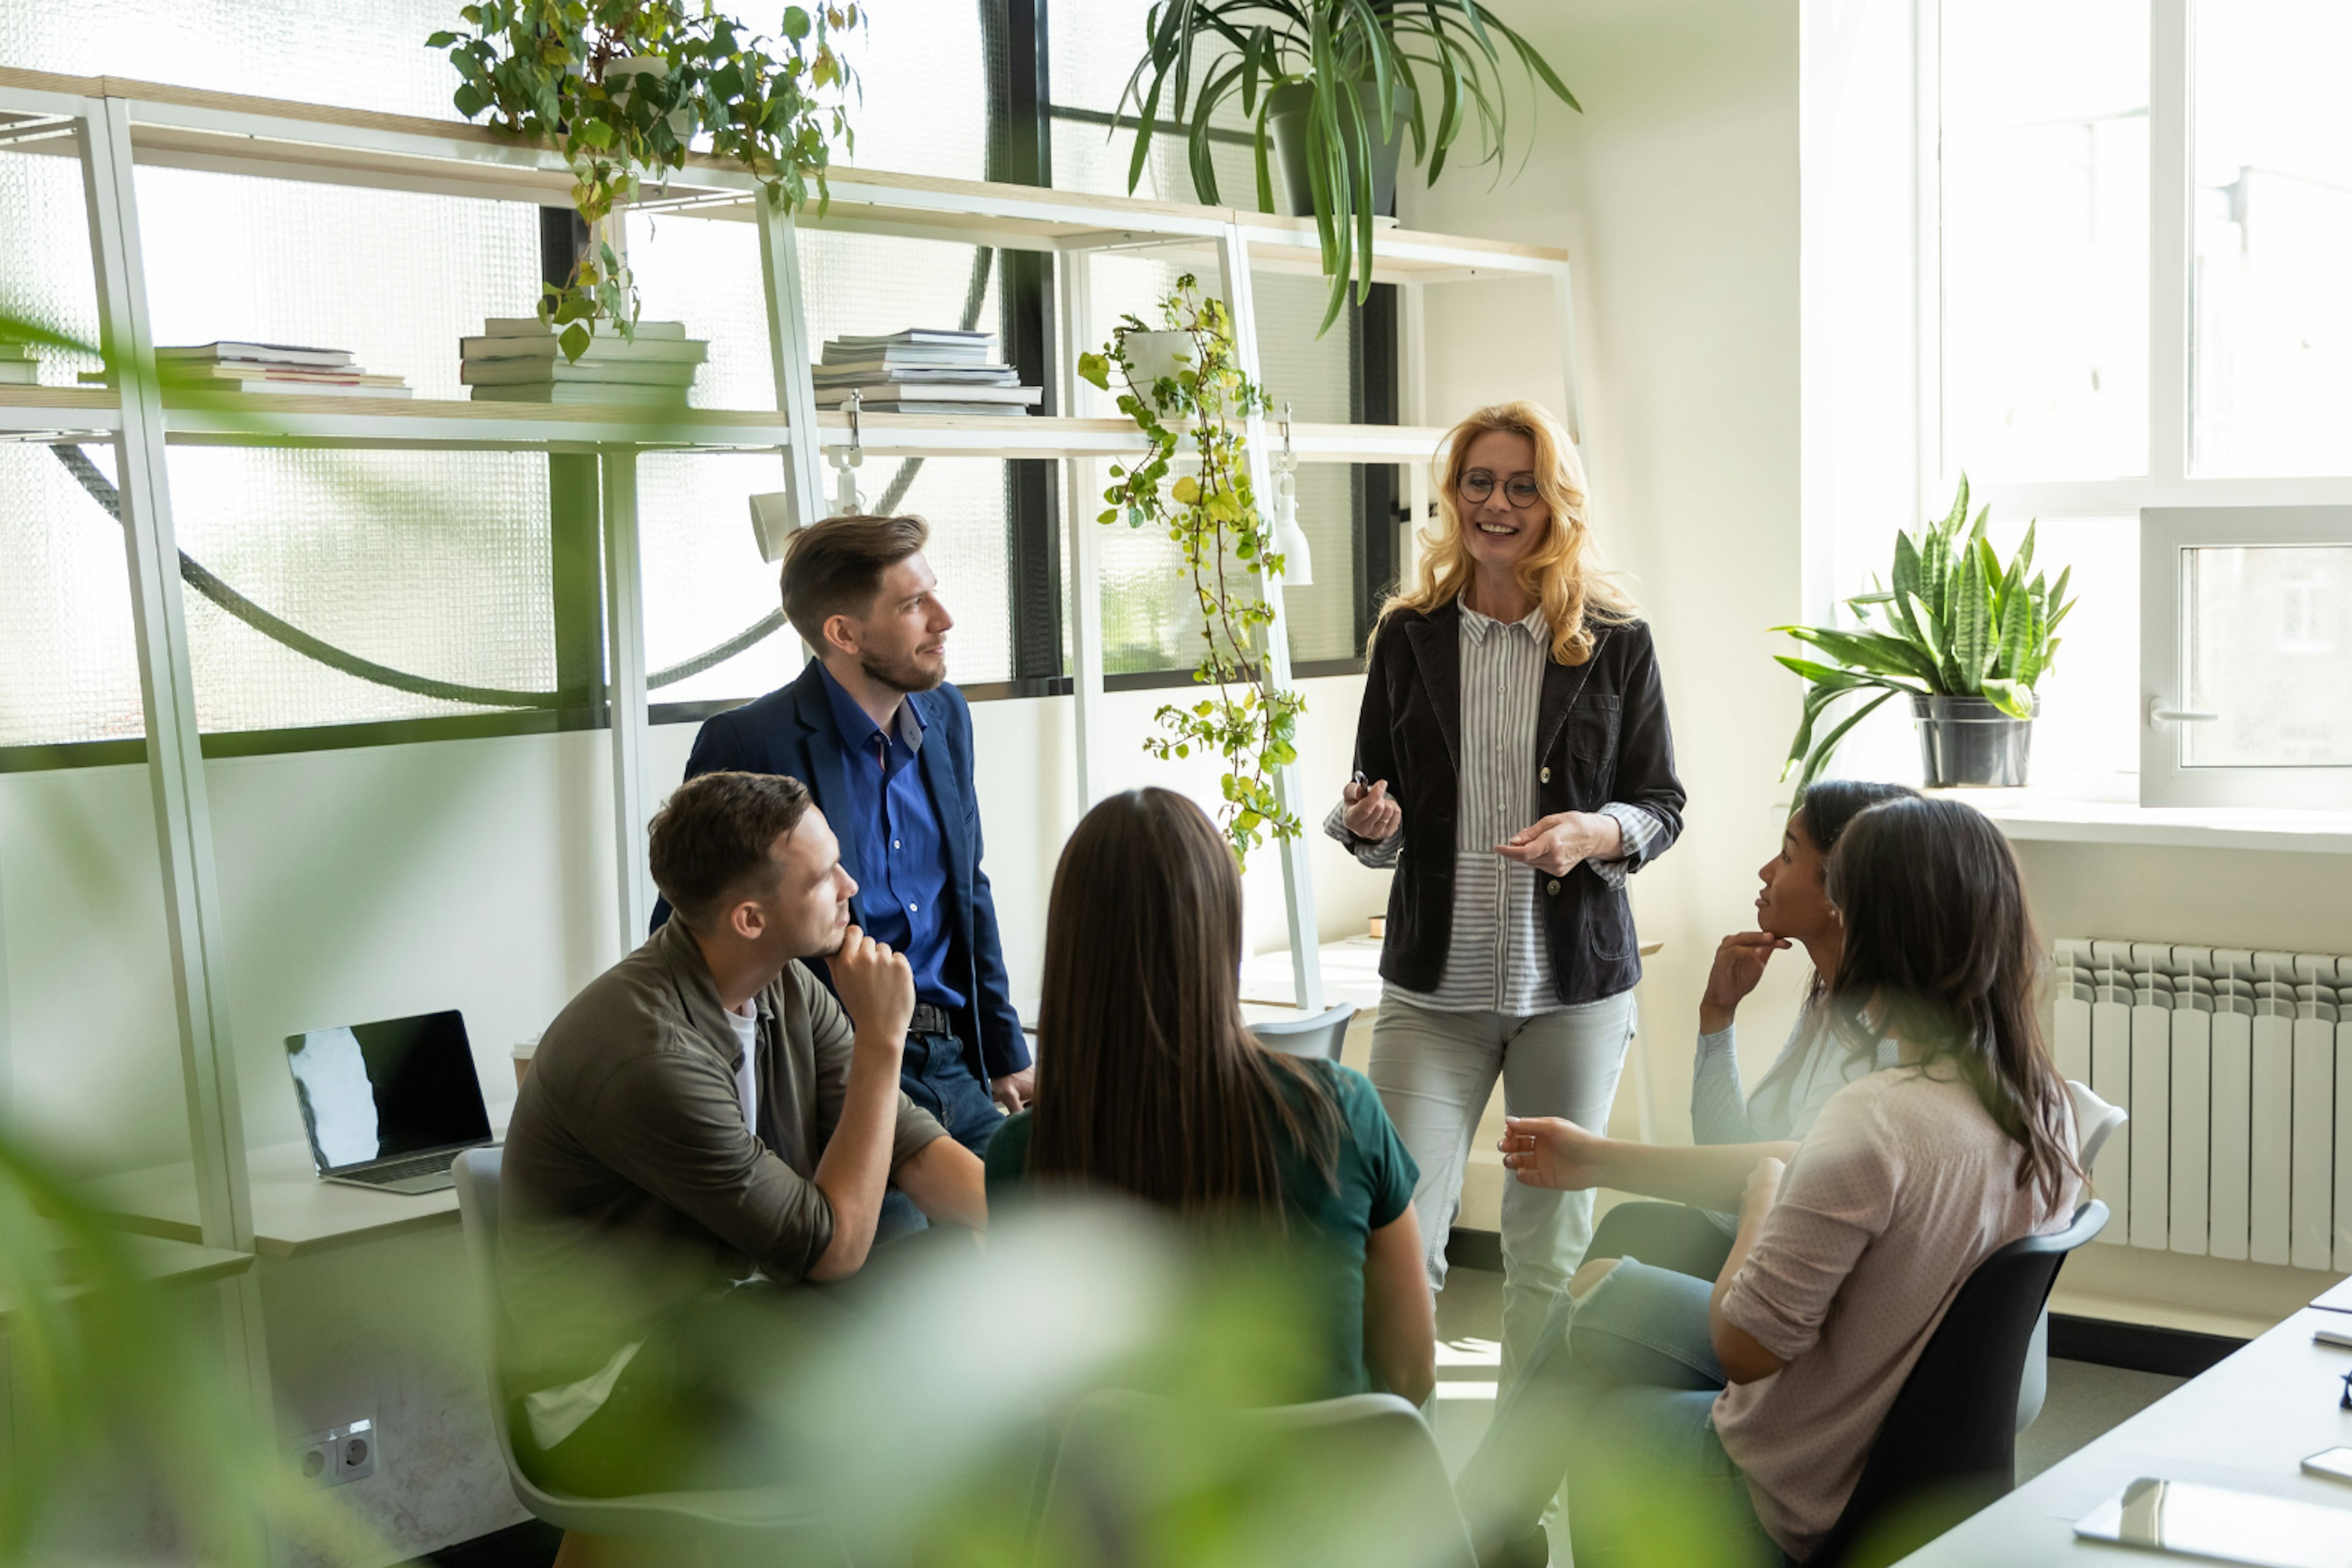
1967	741
1286	116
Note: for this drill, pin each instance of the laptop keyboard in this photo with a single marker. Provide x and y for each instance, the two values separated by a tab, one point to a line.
423	1165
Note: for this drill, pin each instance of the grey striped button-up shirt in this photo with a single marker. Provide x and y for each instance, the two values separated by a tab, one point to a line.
1498	960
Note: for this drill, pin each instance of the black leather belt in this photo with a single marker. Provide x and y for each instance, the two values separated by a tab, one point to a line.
929	1020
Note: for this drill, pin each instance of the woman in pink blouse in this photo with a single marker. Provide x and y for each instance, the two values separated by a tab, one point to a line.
1735	1417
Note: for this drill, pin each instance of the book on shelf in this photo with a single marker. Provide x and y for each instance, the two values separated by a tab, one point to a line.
19	372
911	335
837	354
873	395
337	387
897	407
11	351
532	327
687	351
591	392
912	375
339	376
263	353
589	367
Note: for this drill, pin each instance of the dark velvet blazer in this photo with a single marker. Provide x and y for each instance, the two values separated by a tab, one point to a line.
1602	735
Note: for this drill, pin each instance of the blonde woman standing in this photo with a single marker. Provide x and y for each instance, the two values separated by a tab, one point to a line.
1514	764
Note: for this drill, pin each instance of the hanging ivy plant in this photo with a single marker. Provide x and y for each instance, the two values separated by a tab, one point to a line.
627	88
1188	389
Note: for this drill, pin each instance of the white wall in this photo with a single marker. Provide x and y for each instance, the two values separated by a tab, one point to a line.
1676	195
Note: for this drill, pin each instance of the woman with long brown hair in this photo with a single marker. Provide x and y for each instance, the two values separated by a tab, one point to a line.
1153	1087
1514	765
1750	1404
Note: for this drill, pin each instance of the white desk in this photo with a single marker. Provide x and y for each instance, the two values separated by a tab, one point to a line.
2247	1425
293	1210
167	1262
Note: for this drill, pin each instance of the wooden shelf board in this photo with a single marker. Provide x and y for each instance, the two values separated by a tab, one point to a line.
184	127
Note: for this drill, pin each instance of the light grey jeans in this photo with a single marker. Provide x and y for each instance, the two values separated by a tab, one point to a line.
1436	1071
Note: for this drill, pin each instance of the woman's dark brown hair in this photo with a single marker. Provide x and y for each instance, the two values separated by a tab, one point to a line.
1940	952
1149	1083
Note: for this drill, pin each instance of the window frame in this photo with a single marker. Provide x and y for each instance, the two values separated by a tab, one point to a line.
2169	485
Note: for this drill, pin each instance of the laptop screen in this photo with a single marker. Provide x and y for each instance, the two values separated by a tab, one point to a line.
372	1091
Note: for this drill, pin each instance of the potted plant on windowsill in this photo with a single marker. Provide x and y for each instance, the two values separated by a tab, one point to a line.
1185	392
1965	637
1334	86
627	88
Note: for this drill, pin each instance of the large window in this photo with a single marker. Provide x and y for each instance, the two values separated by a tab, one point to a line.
2133	221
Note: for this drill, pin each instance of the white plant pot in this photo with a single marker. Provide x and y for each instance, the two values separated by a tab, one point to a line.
1154	356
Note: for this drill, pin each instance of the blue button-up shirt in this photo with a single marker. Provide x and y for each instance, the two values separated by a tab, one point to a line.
895	840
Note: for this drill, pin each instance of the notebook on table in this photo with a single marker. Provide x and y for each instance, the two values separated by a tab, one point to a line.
389	1105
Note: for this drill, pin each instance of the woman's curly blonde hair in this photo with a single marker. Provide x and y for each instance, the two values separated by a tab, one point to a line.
1563	571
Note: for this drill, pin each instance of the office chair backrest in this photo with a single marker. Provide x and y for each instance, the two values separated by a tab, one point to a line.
1150	1482
1321	1034
1948	1444
2094	1121
477	1174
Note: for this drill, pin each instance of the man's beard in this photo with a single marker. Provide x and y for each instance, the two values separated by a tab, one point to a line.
902	674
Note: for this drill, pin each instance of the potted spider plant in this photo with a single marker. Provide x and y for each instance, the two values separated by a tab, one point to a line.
1332	88
624	89
1964	635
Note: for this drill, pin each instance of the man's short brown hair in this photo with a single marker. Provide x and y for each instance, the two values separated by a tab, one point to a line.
835	567
716	837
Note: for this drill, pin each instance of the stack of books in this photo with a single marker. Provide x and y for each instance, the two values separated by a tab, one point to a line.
920	370
19	367
267	367
517	359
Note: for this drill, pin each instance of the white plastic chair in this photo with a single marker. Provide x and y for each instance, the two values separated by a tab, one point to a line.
775	1526
2094	1121
1319	1036
1350	1481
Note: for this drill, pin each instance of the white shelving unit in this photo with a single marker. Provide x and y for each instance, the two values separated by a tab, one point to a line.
113	125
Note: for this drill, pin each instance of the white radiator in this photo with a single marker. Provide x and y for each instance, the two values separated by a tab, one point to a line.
2238	1075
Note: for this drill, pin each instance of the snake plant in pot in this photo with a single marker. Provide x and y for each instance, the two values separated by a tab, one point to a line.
1965	637
1334	87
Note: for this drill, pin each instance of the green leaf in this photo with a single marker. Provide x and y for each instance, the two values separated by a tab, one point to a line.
1828	745
1972	641
1875	652
2010	698
1930	641
575	341
1096	370
2016	633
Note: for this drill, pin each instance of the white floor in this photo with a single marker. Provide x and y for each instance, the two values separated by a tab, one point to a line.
2084	1400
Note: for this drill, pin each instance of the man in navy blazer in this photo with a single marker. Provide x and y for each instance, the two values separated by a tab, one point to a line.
884	743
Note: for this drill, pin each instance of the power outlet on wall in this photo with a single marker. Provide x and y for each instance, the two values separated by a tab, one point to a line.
337	1454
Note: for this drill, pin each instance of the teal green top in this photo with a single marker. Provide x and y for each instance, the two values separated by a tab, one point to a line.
1376	1178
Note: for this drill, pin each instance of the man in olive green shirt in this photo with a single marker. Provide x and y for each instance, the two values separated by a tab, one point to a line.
705	1122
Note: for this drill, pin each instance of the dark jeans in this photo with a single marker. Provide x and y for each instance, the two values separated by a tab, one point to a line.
938	1079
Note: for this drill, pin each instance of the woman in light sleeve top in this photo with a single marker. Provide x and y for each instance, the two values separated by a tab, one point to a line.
1741	1413
1515	765
1794	909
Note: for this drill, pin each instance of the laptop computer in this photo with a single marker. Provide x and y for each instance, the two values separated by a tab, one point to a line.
389	1105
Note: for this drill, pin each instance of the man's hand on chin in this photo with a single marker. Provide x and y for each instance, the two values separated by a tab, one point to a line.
1015	1090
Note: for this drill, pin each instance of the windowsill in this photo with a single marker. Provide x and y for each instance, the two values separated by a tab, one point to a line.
2040	814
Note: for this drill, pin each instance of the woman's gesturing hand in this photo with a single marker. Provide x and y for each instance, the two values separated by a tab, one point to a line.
1547	1152
1370	813
1555	844
1739	960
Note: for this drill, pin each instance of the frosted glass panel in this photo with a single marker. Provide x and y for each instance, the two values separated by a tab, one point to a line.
2273	214
45	272
66	637
395	278
2045	238
2270	651
434	563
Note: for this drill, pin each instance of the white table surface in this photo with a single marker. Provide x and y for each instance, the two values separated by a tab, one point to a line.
2246	1424
293	1210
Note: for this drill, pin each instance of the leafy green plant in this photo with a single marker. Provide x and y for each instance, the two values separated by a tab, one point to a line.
1229	551
1455	47
624	88
1954	622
